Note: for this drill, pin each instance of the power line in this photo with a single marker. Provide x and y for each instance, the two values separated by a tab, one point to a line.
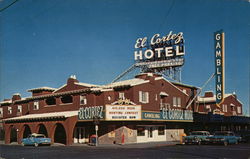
1	10
166	15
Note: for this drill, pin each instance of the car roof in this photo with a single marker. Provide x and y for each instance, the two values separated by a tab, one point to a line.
199	131
35	134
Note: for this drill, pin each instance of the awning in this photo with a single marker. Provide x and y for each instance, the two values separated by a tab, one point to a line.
164	94
43	116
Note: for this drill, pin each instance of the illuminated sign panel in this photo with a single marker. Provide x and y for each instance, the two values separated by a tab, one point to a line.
88	113
160	51
123	112
219	66
172	114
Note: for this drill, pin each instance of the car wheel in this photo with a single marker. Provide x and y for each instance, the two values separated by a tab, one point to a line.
237	142
225	143
199	143
36	144
22	144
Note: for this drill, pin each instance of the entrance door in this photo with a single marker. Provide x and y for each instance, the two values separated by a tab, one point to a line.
79	135
150	133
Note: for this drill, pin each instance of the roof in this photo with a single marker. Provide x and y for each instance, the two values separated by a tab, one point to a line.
130	82
64	114
86	84
42	89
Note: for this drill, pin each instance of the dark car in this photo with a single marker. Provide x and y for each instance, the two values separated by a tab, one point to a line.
245	135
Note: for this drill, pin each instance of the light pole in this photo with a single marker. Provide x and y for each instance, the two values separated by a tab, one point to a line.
96	121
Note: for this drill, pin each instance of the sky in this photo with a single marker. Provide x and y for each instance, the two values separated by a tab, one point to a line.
43	42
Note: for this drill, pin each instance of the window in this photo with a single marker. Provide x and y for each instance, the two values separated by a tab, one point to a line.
83	100
140	131
208	108
143	97
156	97
9	110
50	101
239	110
19	109
179	101
174	102
121	95
1	112
36	105
109	98
161	130
67	99
224	108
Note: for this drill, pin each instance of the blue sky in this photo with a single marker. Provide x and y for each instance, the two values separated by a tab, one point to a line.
43	42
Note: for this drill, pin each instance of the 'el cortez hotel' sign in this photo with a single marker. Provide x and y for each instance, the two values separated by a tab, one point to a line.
219	66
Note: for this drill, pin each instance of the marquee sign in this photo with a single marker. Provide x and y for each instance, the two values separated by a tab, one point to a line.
89	113
160	51
169	114
123	112
219	66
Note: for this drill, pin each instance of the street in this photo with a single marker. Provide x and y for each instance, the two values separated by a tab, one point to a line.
126	151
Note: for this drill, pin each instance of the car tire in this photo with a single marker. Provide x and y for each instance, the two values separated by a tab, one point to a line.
36	144
22	144
225	143
237	142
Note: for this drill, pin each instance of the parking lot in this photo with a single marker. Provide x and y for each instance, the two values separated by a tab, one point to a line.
155	150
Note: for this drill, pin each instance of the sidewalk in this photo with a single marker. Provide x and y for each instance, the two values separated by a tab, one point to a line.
132	145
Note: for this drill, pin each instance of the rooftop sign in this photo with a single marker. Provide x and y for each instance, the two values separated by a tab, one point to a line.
160	51
219	66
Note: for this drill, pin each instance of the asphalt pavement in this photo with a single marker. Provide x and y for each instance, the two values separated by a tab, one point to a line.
132	151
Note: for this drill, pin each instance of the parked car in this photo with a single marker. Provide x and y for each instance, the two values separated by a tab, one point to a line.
245	135
36	139
224	137
197	137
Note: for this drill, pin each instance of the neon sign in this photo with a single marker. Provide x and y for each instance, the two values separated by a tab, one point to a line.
219	66
165	51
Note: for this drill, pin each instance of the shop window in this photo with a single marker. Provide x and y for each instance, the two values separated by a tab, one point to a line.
121	95
50	101
19	109
9	110
140	131
1	112
143	97
83	100
239	110
67	99
36	105
161	130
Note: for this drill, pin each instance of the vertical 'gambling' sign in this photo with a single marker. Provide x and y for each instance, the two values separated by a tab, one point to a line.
219	66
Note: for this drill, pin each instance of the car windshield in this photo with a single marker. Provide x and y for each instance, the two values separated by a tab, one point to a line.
197	133
40	136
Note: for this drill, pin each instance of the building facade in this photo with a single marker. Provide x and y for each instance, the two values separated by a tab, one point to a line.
147	108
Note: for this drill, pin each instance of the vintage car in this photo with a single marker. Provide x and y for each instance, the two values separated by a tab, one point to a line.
36	139
224	137
197	137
